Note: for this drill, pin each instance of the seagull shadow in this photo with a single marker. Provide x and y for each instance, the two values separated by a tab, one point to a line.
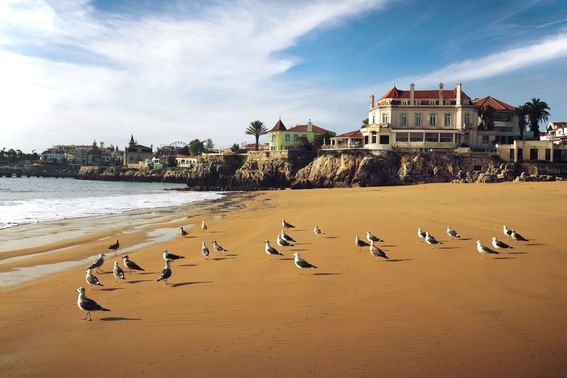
331	237
137	281
287	259
112	289
144	273
325	274
117	318
188	265
298	249
534	244
389	245
466	239
222	258
397	260
448	248
504	258
517	253
187	283
231	254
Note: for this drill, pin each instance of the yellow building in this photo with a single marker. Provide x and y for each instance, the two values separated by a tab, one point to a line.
282	138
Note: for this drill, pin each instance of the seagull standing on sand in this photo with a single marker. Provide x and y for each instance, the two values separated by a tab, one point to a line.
429	239
452	233
98	262
302	264
166	272
114	247
131	265
217	247
499	244
118	272
204	226
287	225
377	252
517	237
92	279
483	250
287	237
170	256
282	242
182	231
420	233
87	304
271	250
360	243
372	238
204	249
317	230
507	231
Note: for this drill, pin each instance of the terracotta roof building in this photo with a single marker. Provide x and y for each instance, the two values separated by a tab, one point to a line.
282	138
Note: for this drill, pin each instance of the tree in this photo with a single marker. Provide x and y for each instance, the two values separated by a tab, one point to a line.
486	114
364	123
537	111
521	112
196	147
324	138
235	148
257	129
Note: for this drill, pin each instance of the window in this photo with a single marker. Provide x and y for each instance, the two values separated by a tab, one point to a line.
445	138
416	137
385	117
431	137
295	137
402	137
418	119
520	154
533	154
384	139
366	139
274	138
467	119
403	119
373	119
374	137
511	156
287	137
447	119
548	154
432	119
485	139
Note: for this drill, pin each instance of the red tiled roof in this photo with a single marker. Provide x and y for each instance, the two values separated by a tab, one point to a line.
303	128
279	126
493	103
351	134
419	94
559	125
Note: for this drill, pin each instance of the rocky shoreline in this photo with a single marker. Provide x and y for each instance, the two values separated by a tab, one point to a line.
333	169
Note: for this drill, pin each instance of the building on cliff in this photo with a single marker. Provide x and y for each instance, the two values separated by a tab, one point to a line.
437	119
282	138
135	154
556	132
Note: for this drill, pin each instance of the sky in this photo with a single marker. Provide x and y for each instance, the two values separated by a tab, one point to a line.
76	71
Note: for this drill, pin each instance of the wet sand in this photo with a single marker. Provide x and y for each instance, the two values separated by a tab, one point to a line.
430	311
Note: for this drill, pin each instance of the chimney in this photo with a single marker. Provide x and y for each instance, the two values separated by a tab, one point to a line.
372	102
440	93
309	126
458	90
411	94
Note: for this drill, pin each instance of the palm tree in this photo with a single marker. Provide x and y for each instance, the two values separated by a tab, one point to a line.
364	123
521	112
537	111
486	114
257	129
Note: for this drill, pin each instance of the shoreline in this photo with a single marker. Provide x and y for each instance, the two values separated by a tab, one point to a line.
431	311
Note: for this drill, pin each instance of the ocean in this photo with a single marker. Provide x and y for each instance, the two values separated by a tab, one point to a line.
35	200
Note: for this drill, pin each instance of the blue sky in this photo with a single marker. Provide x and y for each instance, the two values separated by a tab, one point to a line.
76	71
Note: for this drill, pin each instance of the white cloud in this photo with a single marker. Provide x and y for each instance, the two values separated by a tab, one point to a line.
71	74
546	50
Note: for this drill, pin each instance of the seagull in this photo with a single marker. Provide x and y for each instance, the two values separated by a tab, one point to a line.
360	243
282	242
117	271
98	262
372	238
182	231
271	250
204	249
484	249
302	264
499	244
170	256
87	304
114	246
131	265
287	225
317	230
452	233
217	247
507	231
420	233
287	237
429	239
92	279
166	272
203	226
517	237
377	252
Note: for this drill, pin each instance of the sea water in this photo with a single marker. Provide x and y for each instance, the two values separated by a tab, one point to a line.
29	200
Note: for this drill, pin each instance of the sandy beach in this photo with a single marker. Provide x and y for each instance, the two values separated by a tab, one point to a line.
437	311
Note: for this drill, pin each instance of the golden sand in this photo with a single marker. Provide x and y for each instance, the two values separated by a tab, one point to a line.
431	311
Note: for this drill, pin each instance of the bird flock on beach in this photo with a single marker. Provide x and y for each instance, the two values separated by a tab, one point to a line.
283	240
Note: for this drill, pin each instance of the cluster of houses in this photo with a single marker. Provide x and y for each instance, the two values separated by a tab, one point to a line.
414	120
